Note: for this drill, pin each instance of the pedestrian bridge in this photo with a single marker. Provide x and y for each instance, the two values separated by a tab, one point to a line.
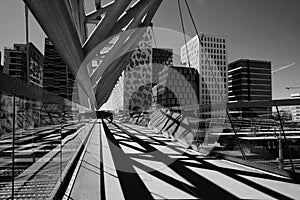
88	158
137	163
125	161
53	148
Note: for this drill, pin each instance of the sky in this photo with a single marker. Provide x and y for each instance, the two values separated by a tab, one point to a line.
255	29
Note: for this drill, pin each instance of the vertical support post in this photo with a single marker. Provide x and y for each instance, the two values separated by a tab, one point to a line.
39	111
61	130
101	169
67	79
13	148
285	140
280	151
100	142
32	137
27	43
24	112
235	134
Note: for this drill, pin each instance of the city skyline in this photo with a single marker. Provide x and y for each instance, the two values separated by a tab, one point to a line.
268	31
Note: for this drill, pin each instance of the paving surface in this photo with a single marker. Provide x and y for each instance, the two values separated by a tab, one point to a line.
137	163
39	160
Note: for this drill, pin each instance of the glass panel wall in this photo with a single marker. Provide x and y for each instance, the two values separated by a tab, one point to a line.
6	141
39	141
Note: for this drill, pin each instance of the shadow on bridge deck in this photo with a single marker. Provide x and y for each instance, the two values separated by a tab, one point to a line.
137	163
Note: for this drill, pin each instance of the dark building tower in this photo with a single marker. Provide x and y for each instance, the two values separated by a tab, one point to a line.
15	63
160	58
250	80
57	76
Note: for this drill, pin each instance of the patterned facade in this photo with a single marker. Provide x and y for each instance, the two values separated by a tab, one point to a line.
178	86
133	92
160	59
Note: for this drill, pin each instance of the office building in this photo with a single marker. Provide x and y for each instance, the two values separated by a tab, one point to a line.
295	109
178	86
133	92
15	63
209	58
57	76
250	80
160	59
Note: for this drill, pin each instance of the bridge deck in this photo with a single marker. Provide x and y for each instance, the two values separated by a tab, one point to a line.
136	163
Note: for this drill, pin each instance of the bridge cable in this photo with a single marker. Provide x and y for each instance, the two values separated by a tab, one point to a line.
184	35
206	57
154	37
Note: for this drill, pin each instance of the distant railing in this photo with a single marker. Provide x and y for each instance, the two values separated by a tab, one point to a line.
264	138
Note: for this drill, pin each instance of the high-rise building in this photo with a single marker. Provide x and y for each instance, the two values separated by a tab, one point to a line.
133	89
57	76
209	58
250	80
178	87
15	63
133	92
295	109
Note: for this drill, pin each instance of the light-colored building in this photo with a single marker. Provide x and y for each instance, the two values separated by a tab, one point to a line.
295	109
209	57
134	88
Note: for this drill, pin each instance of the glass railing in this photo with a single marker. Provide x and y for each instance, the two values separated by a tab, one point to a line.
40	139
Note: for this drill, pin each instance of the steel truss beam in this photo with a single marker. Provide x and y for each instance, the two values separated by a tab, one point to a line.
142	8
79	18
55	20
114	70
65	23
95	16
101	32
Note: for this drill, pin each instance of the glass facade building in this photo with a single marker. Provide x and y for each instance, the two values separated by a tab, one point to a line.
57	76
15	63
250	80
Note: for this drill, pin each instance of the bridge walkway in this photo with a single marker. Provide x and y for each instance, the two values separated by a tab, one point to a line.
137	163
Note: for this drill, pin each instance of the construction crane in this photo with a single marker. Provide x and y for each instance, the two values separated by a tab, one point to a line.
282	68
291	88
